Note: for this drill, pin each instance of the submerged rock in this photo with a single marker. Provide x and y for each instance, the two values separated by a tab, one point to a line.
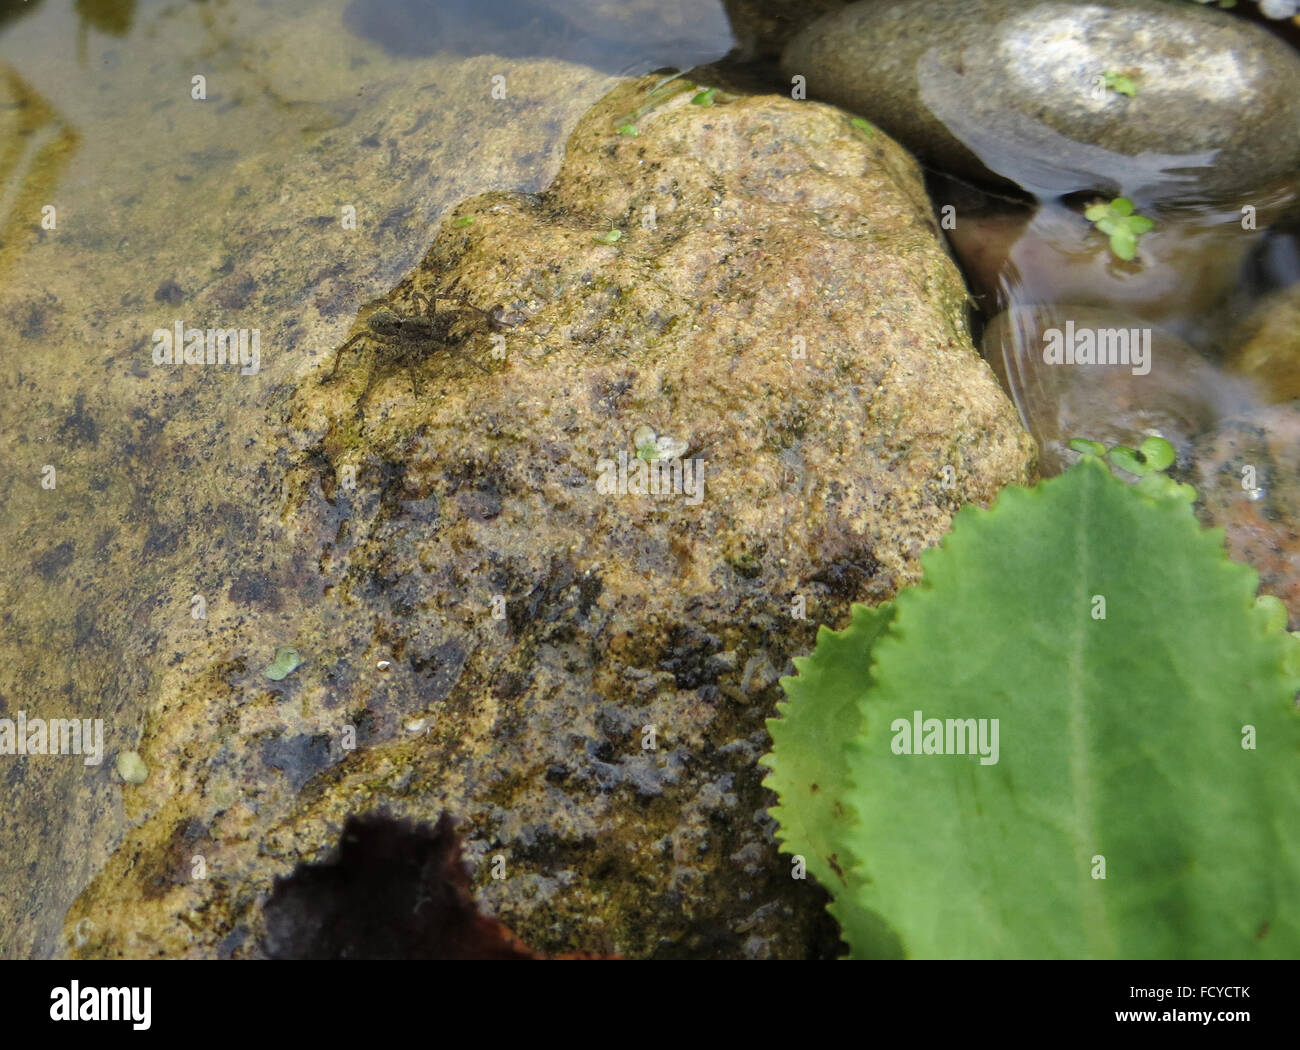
612	37
1181	279
1268	346
1097	373
1015	91
511	628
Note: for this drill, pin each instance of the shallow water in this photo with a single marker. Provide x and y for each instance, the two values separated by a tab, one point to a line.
1198	277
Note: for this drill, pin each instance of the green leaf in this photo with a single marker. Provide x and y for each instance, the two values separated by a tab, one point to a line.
1087	447
1123	244
1127	459
812	777
865	126
1120	736
1157	453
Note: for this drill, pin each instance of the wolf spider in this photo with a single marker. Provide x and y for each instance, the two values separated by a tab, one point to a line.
405	338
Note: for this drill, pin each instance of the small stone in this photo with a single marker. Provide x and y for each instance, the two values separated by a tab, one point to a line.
131	767
1247	474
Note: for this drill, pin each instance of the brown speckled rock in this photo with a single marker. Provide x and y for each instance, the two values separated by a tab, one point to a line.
1247	473
581	677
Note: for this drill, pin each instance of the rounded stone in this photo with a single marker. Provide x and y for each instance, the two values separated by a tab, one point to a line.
1014	91
1247	474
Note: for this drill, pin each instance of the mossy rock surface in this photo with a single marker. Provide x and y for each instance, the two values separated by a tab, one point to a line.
503	637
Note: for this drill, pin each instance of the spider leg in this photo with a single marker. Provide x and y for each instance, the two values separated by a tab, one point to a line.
372	381
338	355
417	386
465	357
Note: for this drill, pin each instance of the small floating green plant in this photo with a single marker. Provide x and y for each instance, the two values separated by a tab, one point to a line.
865	126
664	90
283	664
608	237
131	767
1117	221
1120	83
652	447
1147	462
1077	738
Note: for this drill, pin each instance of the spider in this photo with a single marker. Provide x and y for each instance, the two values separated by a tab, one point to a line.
404	338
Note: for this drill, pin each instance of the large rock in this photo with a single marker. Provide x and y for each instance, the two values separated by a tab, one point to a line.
1007	90
582	675
156	501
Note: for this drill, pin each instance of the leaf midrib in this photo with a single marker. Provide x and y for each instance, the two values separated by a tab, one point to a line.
1093	902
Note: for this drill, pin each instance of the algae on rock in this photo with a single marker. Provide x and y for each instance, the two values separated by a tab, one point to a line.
581	675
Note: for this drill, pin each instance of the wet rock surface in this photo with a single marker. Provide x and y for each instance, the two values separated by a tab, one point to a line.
225	213
1247	475
1008	91
1268	346
491	625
